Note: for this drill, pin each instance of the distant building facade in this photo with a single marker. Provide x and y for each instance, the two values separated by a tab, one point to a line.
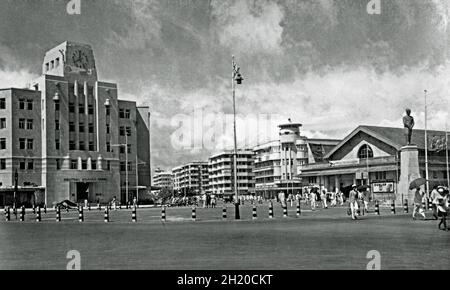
191	178
278	164
370	156
70	137
163	179
221	173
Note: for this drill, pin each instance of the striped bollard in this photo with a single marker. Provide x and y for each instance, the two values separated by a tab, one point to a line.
22	213
393	207
106	215
133	215
38	214
34	209
271	210
405	207
430	204
299	211
194	214
7	214
80	214
285	211
224	212
58	214
45	208
424	205
255	215
377	208
163	214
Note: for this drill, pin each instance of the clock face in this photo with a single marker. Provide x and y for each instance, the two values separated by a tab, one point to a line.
80	59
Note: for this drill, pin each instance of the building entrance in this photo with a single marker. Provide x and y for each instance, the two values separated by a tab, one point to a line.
82	191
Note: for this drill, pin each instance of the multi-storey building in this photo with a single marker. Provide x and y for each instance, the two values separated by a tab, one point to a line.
163	179
70	137
191	178
221	173
278	163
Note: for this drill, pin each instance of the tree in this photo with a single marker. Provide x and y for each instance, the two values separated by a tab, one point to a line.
165	195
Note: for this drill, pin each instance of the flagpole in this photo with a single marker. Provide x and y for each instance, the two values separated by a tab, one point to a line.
426	147
446	154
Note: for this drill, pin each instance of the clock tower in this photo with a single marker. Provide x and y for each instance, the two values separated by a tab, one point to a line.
71	60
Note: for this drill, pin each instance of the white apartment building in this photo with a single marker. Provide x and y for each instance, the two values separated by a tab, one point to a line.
191	177
163	179
221	173
278	164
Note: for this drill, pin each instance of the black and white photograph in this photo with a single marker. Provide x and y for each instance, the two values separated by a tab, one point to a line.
209	136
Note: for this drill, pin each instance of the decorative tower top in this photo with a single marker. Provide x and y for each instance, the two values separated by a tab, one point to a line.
70	59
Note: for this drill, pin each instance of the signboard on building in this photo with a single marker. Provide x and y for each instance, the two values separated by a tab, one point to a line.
383	187
85	180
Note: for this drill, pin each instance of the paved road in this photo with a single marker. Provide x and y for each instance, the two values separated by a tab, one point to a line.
325	239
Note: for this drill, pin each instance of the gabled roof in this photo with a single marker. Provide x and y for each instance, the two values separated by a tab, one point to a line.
392	136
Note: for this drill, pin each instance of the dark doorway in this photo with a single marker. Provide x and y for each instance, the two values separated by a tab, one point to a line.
82	191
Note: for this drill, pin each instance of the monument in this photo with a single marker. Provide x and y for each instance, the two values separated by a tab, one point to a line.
409	162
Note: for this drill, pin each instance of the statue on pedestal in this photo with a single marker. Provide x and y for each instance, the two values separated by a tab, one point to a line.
408	123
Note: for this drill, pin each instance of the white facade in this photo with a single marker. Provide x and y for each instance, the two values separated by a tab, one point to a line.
191	177
221	174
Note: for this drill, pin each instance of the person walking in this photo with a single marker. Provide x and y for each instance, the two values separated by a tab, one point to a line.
312	199
333	198
353	199
435	196
113	202
366	199
282	199
341	197
213	201
442	210
418	197
323	197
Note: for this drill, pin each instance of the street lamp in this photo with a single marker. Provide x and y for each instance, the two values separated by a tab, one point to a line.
236	77
126	163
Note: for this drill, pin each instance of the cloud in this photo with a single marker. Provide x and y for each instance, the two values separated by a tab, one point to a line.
16	79
249	26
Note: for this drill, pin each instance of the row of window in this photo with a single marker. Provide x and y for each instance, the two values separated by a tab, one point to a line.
52	64
23	124
81	145
23	165
81	108
81	127
28	104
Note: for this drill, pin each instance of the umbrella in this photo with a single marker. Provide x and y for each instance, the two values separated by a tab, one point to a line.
417	183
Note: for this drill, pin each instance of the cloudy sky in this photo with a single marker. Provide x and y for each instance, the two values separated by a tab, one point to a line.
327	64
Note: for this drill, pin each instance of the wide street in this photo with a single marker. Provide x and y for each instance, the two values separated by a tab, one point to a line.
324	239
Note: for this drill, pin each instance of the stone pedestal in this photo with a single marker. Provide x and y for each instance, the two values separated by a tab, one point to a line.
409	171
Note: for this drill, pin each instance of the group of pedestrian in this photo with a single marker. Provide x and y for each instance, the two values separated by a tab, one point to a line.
439	205
358	202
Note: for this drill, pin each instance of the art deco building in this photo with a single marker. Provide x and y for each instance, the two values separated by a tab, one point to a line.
70	137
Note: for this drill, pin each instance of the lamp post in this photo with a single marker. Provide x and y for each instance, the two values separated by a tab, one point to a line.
126	163
236	79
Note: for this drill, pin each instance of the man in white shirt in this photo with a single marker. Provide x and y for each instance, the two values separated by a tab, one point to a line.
435	196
